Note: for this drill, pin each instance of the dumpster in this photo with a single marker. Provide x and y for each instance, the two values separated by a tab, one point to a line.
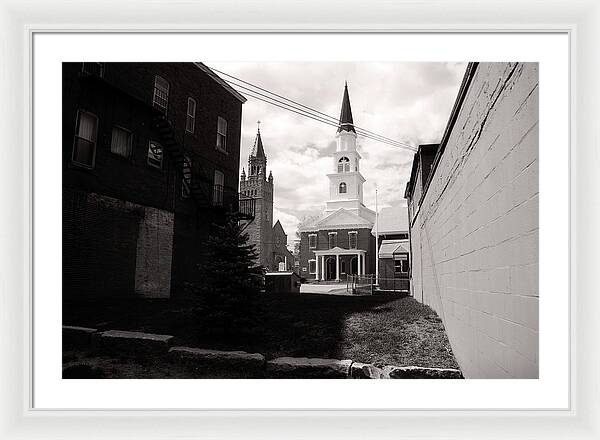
282	282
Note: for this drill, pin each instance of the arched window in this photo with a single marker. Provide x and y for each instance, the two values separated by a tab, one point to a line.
342	188
344	165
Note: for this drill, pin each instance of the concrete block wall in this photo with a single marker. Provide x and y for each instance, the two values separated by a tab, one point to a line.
475	237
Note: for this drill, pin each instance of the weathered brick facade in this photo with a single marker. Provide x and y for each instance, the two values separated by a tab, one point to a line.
128	228
474	233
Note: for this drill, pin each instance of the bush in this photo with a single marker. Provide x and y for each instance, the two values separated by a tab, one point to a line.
230	280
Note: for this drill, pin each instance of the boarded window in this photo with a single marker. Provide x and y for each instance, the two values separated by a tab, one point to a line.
86	132
120	142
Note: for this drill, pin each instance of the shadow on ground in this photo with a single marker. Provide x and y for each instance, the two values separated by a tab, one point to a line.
383	330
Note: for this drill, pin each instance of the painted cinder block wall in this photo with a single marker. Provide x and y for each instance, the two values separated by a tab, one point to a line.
474	240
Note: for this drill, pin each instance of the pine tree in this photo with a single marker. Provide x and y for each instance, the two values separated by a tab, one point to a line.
231	278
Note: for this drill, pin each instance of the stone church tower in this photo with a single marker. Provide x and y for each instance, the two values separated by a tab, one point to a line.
259	187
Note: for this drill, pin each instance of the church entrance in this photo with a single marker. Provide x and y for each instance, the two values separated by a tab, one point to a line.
353	266
330	274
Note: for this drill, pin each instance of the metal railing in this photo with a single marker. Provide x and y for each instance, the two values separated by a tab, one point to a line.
360	284
395	284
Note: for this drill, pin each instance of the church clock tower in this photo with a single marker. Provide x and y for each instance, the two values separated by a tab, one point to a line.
259	187
346	181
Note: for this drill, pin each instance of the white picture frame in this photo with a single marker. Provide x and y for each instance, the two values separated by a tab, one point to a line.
18	23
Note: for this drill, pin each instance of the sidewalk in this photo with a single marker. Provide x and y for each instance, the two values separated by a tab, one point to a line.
325	289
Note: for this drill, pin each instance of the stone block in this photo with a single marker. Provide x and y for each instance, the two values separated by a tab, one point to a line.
392	372
128	343
77	337
229	363
308	368
365	371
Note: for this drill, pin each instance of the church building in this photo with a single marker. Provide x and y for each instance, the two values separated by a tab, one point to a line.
269	240
340	241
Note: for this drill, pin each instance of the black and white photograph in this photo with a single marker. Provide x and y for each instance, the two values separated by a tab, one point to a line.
300	220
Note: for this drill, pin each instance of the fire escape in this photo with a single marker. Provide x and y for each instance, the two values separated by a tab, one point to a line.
208	195
200	186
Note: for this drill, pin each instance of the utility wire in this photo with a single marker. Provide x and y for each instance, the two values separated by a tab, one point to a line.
307	107
314	114
308	115
333	122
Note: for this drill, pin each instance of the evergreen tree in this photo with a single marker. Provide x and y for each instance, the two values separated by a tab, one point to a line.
231	278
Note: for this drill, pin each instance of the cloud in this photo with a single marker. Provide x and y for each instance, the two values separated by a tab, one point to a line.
410	102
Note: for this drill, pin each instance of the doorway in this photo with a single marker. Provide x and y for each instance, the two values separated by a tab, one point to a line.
330	274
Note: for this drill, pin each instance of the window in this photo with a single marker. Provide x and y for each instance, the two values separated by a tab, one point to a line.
344	165
120	142
352	241
343	266
160	99
186	181
343	189
401	265
86	132
312	266
190	120
222	134
219	181
312	241
332	240
155	154
93	69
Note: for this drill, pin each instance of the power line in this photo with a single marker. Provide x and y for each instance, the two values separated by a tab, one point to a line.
361	131
289	107
323	117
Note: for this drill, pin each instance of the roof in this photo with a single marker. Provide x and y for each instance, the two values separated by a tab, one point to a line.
392	220
389	248
221	82
258	150
339	219
346	122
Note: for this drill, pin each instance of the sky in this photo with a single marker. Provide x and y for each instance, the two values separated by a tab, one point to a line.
408	102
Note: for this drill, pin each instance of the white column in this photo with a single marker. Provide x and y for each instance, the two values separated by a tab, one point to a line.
337	267
323	268
359	261
317	267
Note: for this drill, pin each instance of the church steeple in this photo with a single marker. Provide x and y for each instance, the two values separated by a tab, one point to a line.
257	161
346	123
258	149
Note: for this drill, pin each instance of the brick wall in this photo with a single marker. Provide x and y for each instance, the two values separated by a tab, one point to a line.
365	241
474	240
113	248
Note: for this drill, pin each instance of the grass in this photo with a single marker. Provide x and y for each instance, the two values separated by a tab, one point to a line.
383	330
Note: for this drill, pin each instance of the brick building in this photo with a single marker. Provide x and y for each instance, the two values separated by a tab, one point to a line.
260	187
340	241
474	222
150	160
394	248
281	253
269	239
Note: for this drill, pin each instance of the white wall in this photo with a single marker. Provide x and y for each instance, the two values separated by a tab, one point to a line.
475	238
